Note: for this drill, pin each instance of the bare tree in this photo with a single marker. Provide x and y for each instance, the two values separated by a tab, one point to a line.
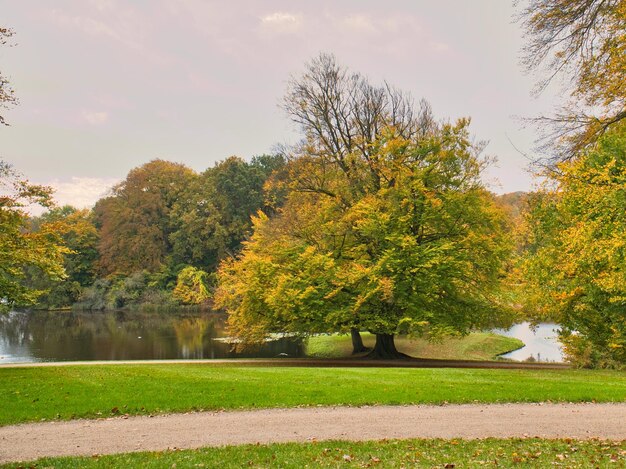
341	114
582	41
7	95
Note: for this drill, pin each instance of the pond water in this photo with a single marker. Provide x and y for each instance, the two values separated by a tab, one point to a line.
119	335
541	342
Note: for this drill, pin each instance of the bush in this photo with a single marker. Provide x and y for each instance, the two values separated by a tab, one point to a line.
192	286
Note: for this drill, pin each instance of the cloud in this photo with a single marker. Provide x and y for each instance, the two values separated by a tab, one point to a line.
439	46
102	4
282	22
359	23
81	192
89	26
95	118
123	24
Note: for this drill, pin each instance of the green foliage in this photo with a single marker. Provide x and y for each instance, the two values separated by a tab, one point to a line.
407	241
94	297
160	220
191	288
386	227
575	265
21	250
213	216
125	292
528	452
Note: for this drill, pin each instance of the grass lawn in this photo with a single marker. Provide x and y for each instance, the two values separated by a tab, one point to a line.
67	392
475	346
388	453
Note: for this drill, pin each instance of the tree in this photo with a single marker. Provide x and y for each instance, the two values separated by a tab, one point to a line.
212	218
7	94
418	250
341	115
574	270
20	249
585	42
134	222
191	287
78	234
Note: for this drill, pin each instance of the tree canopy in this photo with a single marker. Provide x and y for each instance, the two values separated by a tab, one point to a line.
574	271
21	249
134	220
395	233
212	217
77	233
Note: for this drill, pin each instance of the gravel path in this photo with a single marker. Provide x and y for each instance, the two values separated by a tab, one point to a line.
117	435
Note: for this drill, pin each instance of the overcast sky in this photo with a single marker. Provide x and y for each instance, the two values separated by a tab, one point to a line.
107	85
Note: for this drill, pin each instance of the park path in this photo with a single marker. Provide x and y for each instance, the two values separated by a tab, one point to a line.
192	430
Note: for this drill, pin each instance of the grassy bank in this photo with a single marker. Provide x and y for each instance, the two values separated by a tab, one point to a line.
388	453
32	394
475	346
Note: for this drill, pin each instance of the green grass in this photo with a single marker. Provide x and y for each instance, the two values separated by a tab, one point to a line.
387	453
67	392
475	346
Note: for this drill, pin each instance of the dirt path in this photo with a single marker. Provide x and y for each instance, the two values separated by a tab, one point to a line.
116	435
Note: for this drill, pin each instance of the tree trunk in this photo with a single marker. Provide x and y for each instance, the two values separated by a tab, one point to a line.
385	348
357	342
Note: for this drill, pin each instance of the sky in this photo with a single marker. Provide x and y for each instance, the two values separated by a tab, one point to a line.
108	85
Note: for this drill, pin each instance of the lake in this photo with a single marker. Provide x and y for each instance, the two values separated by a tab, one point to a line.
121	335
541	342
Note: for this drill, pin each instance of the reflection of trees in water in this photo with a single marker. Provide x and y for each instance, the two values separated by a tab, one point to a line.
190	334
121	335
14	335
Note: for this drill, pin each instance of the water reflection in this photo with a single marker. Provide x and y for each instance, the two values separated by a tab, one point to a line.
121	335
190	333
542	342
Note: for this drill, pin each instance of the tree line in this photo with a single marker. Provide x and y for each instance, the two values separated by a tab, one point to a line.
155	240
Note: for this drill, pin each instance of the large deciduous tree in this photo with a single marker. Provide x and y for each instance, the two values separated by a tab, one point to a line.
134	221
341	114
574	271
583	41
387	229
